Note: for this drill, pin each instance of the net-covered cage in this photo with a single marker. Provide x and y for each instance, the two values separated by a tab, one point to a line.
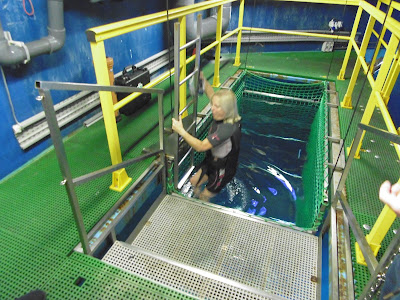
288	100
315	172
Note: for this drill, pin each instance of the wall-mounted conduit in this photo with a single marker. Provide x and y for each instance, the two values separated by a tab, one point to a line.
15	52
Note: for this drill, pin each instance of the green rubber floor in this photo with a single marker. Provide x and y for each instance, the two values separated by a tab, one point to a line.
37	229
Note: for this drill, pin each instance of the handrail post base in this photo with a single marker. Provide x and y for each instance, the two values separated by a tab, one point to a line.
120	180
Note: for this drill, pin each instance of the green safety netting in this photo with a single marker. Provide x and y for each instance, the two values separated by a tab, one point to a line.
296	100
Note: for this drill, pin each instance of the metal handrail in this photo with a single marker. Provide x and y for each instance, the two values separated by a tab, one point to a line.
70	183
373	266
96	174
73	86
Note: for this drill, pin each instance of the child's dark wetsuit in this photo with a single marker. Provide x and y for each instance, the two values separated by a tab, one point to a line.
221	161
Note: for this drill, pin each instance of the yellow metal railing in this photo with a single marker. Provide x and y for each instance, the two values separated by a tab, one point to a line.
98	35
381	87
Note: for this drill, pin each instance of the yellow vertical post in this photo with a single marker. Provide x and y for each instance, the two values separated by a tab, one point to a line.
378	86
218	35
390	11
182	88
387	216
388	119
392	78
350	45
369	110
239	37
120	178
378	233
346	103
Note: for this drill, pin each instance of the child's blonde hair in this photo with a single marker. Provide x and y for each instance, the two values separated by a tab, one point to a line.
228	103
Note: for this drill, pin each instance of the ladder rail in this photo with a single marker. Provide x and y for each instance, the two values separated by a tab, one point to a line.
177	83
188	77
187	45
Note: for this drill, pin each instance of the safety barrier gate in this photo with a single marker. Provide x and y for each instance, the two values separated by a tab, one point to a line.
71	183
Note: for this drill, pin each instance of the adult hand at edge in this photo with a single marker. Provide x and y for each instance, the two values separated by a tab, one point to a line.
390	195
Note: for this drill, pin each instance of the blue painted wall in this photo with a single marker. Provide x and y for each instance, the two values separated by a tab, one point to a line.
292	16
73	62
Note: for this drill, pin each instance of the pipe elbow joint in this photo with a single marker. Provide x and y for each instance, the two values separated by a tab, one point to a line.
56	39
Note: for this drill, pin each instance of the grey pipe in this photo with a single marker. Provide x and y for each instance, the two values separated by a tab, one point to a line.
12	54
209	25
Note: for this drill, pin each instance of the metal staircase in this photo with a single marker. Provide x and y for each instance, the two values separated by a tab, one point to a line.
210	252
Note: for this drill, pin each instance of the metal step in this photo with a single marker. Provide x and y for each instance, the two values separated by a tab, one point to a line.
217	253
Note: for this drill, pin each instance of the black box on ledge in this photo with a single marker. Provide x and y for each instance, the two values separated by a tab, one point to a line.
135	77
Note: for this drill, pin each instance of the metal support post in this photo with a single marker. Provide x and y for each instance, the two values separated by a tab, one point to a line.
350	45
392	79
216	82
161	136
346	103
388	119
333	263
182	71
196	81
178	46
120	178
55	133
239	37
378	233
177	96
383	32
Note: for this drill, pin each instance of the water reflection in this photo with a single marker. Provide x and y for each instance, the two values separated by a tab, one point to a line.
268	180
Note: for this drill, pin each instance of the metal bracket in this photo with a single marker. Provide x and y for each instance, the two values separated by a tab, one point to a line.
336	168
334	105
333	139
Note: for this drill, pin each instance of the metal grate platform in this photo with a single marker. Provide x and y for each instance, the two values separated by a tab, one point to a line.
185	279
186	243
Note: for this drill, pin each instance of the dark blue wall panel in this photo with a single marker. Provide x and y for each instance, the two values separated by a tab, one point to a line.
73	63
293	15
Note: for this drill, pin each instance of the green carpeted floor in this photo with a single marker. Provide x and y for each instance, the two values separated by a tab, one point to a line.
37	230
